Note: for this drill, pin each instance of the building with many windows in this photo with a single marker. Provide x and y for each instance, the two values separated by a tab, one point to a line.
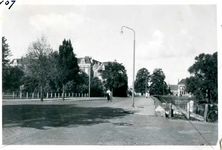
85	63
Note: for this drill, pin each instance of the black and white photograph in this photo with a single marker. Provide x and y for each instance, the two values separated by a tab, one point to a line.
110	75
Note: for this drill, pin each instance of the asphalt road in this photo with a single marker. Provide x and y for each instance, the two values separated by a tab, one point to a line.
98	122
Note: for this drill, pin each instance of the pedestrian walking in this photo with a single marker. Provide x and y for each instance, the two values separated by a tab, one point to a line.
146	94
108	94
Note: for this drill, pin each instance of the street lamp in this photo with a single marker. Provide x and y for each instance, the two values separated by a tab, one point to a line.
134	42
89	78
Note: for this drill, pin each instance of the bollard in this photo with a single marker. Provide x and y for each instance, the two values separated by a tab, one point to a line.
33	95
27	95
69	94
72	94
55	95
13	95
38	95
65	94
62	94
79	95
47	95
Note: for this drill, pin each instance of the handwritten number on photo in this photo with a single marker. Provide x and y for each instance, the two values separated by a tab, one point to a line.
13	1
7	2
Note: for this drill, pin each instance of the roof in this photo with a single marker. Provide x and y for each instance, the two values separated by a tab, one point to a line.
88	60
173	87
105	63
17	61
183	81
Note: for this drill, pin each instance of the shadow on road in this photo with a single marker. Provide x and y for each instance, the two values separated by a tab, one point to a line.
43	116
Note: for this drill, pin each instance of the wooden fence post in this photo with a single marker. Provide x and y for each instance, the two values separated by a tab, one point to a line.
188	110
170	110
205	112
20	95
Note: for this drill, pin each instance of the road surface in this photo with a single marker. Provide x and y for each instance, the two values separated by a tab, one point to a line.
98	122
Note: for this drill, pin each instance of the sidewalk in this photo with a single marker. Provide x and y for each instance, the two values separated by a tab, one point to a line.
145	106
142	106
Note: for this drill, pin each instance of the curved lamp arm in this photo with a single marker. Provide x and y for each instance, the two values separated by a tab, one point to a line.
129	29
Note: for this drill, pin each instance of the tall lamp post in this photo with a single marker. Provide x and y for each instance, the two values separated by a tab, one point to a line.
134	42
89	78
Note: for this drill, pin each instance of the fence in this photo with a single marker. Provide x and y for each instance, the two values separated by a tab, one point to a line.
188	109
23	95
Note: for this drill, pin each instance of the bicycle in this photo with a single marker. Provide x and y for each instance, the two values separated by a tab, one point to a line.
212	116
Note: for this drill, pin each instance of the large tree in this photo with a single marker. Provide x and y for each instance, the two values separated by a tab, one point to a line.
37	62
158	85
11	76
6	52
67	64
96	87
5	62
142	79
115	78
203	82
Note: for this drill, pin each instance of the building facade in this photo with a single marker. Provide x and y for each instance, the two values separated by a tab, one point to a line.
91	66
182	87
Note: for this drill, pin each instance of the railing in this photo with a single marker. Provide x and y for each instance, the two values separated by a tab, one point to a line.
26	95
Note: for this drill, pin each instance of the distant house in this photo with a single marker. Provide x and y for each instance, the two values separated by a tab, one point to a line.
182	87
173	89
16	62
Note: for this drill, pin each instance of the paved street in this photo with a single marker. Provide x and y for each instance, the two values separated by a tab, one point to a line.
97	122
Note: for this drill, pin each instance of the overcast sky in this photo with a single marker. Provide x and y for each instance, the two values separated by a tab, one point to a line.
167	36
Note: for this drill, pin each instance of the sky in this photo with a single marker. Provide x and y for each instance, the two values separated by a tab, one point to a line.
167	36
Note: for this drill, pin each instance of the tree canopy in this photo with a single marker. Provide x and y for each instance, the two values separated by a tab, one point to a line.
203	81
67	64
158	85
6	52
11	76
37	62
115	78
142	79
